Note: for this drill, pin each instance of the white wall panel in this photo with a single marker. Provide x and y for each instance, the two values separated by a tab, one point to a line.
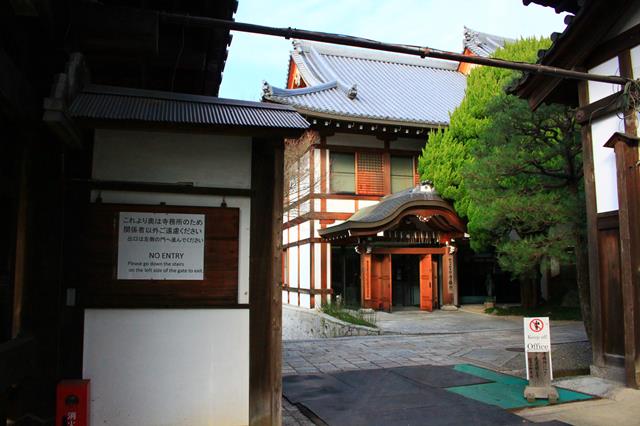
305	265
293	266
599	90
167	366
293	233
604	162
317	264
305	230
341	206
143	156
305	300
317	171
367	203
285	297
293	298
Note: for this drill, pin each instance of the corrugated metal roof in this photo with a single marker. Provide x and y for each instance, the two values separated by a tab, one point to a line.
117	103
372	85
483	44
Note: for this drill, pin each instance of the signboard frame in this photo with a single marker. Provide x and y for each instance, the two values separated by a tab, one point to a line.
99	284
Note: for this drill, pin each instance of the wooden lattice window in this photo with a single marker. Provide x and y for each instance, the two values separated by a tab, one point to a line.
370	173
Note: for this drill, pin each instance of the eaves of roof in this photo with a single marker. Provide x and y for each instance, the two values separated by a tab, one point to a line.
584	31
108	103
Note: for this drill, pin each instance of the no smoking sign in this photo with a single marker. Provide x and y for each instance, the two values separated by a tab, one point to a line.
536	325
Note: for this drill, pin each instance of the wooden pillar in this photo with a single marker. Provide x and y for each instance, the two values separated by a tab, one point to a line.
597	338
628	170
365	279
448	285
626	150
21	245
265	317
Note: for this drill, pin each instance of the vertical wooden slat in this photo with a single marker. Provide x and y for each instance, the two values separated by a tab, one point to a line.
21	247
385	282
629	216
365	279
597	343
265	318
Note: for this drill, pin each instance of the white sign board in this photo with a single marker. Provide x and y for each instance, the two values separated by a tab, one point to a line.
160	246
537	337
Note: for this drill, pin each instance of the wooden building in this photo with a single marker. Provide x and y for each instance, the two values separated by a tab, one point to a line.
137	250
602	38
358	223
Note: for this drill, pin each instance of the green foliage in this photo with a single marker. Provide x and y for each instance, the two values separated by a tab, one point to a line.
555	313
350	316
513	173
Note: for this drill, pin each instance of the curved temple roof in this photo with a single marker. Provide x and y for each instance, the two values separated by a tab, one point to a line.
385	214
366	85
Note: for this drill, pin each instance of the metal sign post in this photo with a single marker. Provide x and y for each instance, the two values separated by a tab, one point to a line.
537	345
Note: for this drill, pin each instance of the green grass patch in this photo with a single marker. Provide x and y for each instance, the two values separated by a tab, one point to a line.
352	317
557	313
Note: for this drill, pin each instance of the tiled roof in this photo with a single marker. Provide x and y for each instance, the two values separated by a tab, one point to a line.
119	103
483	44
372	86
389	207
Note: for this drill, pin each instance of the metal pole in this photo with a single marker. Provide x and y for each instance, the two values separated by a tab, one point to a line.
424	52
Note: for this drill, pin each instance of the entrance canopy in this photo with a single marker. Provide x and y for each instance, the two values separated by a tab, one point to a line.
416	215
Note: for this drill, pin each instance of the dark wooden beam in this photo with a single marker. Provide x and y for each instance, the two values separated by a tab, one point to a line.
169	188
265	276
597	339
628	171
605	106
20	265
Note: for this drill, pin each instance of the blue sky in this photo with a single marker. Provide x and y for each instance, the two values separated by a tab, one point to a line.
438	24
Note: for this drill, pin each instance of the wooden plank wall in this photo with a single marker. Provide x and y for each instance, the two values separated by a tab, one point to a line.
218	288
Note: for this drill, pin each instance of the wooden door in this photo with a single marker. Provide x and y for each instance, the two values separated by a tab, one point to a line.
381	282
426	283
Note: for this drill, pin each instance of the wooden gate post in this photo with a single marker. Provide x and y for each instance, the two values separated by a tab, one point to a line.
265	276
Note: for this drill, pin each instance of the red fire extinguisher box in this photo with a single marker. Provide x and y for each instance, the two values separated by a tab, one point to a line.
72	403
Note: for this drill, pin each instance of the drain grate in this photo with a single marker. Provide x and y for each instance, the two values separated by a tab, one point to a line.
515	349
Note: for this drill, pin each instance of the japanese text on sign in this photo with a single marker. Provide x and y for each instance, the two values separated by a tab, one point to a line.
161	246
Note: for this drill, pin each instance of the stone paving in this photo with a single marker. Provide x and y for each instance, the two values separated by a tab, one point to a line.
419	338
460	337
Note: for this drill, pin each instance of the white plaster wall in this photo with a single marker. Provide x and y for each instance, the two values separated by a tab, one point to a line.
635	61
317	264
367	203
285	295
345	139
341	206
305	265
329	264
285	237
604	162
599	90
305	230
293	233
167	367
293	266
317	205
305	301
317	300
293	298
205	160
316	227
409	144
318	171
305	207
